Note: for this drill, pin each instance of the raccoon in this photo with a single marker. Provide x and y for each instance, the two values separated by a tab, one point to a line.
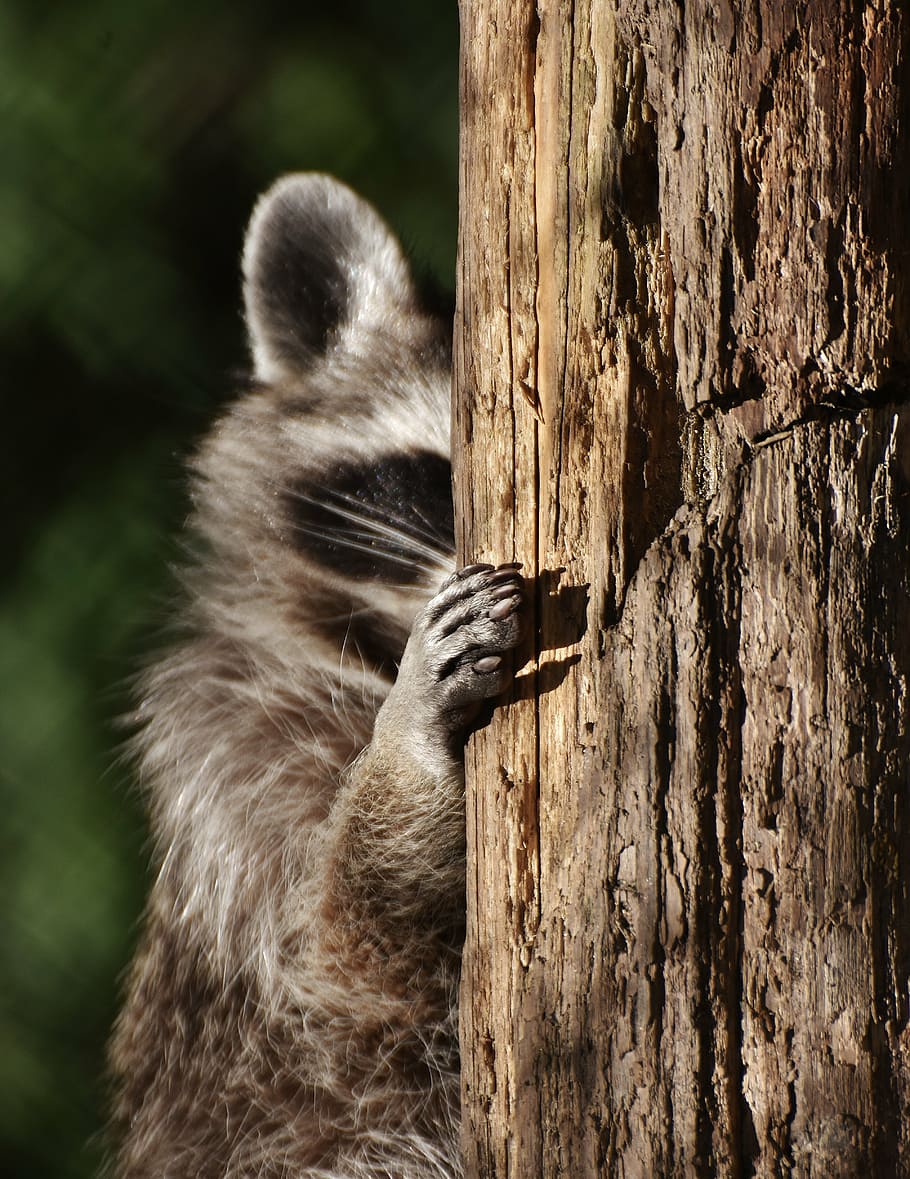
291	1010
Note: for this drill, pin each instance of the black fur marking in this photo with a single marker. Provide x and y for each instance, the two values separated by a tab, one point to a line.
310	292
301	291
385	520
368	635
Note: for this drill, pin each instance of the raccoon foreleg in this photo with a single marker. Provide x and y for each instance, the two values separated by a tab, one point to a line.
396	852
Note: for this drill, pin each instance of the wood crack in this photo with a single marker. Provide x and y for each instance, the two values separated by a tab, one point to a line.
839	405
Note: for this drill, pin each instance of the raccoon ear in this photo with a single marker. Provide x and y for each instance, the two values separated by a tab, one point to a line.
319	266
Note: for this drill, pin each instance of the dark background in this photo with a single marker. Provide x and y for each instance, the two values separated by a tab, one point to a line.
134	139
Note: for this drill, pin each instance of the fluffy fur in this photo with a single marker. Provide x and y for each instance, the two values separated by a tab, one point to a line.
291	1010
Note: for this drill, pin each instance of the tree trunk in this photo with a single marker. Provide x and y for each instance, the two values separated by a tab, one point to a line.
682	347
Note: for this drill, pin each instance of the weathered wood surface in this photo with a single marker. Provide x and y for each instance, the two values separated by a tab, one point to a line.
684	250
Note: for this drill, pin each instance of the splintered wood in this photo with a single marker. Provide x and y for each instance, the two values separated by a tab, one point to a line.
682	345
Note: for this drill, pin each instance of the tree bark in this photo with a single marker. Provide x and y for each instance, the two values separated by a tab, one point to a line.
682	344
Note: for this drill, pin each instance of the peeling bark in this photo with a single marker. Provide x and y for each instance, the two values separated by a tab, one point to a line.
682	347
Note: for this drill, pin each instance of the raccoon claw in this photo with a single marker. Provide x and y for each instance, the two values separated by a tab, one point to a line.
504	607
487	664
456	655
463	634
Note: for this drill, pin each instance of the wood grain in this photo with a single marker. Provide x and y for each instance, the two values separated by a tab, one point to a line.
682	345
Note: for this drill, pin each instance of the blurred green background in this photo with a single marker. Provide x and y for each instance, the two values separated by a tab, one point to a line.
134	139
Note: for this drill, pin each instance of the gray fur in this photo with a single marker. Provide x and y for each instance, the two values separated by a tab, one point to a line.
291	1009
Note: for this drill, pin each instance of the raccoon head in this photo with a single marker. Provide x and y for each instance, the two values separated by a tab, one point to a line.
332	476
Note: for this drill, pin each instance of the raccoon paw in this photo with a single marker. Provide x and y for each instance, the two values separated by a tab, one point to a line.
462	637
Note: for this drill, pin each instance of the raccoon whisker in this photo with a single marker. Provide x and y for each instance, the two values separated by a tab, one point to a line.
386	522
354	612
341	677
431	573
341	661
399	542
406	523
430	531
405	540
383	541
343	541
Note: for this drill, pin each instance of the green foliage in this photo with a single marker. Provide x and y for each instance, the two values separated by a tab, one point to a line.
134	140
